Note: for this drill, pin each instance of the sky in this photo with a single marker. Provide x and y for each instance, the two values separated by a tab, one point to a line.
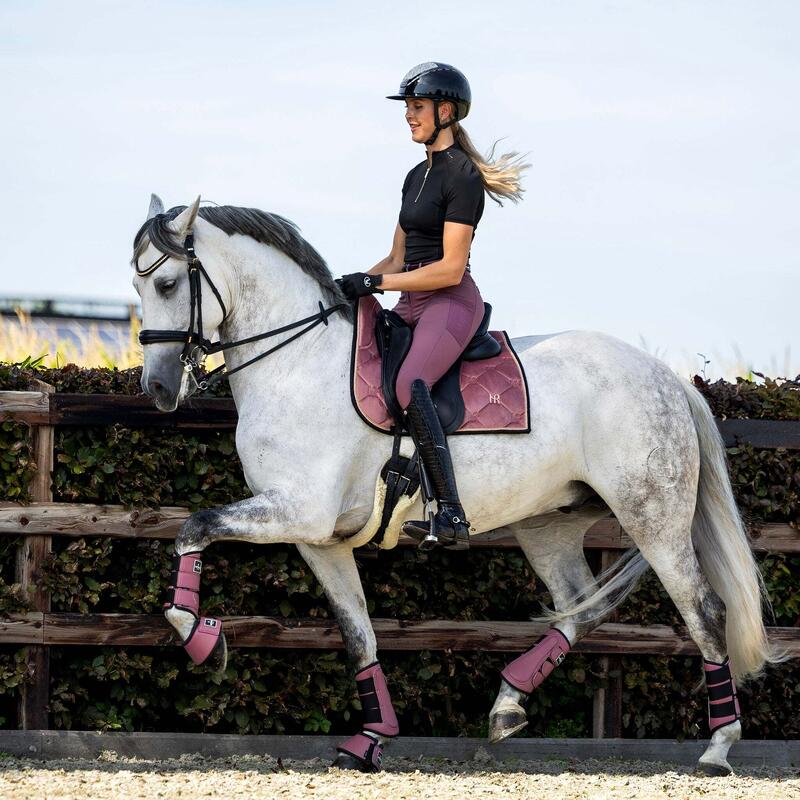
661	205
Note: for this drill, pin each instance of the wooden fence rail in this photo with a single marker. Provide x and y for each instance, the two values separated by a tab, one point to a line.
40	629
219	413
117	522
153	630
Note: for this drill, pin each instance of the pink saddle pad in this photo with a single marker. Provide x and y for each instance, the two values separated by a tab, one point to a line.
494	389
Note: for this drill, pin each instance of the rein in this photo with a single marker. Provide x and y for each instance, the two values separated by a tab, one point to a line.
196	348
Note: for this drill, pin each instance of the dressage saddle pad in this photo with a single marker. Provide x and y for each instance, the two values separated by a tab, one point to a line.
488	395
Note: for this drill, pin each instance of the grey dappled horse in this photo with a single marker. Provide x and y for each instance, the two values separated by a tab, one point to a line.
612	428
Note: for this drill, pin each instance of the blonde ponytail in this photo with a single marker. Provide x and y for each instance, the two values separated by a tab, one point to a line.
501	176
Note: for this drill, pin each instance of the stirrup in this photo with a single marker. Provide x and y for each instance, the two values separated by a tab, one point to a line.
420	531
428	536
460	541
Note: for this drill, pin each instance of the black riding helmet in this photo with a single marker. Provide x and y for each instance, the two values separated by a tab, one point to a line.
437	82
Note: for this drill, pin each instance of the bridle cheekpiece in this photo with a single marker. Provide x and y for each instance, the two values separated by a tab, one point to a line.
196	348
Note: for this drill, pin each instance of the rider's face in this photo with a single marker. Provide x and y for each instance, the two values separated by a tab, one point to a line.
419	116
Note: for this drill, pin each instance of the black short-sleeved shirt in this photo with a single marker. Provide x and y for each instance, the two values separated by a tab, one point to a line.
452	191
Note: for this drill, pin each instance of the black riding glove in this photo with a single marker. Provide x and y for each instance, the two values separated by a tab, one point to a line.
359	284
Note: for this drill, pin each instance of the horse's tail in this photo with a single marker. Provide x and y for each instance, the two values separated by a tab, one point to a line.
605	592
723	548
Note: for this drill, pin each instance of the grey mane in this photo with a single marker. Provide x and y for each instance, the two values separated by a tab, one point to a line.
270	229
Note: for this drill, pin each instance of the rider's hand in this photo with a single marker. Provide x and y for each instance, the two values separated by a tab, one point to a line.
359	284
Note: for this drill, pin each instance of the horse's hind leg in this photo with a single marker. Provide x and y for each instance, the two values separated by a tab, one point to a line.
673	559
553	544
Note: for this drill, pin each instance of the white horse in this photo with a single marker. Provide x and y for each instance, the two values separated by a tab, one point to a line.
612	428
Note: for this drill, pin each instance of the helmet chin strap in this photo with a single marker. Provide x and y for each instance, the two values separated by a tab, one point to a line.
437	123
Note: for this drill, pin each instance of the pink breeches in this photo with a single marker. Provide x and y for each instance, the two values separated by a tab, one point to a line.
444	321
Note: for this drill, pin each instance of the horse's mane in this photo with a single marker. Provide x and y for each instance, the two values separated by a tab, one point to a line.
270	229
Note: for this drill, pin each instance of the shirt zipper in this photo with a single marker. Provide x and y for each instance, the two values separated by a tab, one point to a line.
423	184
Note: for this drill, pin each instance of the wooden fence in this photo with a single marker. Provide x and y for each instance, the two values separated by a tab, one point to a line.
37	523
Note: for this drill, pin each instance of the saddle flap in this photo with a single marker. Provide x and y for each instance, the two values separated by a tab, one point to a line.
447	398
393	337
487	395
389	326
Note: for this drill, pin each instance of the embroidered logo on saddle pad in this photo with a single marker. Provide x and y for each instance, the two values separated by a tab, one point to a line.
494	389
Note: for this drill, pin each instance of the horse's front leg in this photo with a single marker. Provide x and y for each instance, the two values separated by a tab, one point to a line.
335	568
267	517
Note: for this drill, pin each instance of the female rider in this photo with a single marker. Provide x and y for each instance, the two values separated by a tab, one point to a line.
442	203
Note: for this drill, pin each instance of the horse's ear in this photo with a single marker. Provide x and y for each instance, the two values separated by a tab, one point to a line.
185	220
156	206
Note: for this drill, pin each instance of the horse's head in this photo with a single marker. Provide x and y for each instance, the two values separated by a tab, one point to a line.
180	306
252	271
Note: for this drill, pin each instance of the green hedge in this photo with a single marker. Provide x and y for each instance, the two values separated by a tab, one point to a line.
439	693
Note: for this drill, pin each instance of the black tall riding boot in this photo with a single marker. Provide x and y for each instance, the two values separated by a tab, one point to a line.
450	526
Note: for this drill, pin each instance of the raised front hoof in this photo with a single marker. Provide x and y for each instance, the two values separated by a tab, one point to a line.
714	770
348	761
218	659
506	724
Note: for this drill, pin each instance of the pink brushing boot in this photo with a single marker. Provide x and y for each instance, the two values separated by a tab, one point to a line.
183	593
364	750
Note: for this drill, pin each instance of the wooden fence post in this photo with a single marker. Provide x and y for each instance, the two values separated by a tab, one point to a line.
31	556
607	701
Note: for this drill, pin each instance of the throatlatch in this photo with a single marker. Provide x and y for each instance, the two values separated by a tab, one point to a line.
528	671
379	719
184	593
723	702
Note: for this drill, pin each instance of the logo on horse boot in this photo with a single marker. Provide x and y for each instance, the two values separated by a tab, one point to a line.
210	623
197	566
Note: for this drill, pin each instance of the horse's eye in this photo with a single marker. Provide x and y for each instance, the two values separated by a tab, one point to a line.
166	286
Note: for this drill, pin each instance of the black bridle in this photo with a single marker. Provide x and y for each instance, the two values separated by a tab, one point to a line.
195	346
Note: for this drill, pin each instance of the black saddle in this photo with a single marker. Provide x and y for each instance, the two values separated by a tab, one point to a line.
394	341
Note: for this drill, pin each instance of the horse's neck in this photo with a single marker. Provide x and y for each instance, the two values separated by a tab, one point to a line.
268	295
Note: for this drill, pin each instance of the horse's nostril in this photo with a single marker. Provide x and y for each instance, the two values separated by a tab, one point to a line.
156	387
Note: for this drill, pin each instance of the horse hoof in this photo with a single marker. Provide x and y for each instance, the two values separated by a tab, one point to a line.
347	761
218	660
714	770
506	724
